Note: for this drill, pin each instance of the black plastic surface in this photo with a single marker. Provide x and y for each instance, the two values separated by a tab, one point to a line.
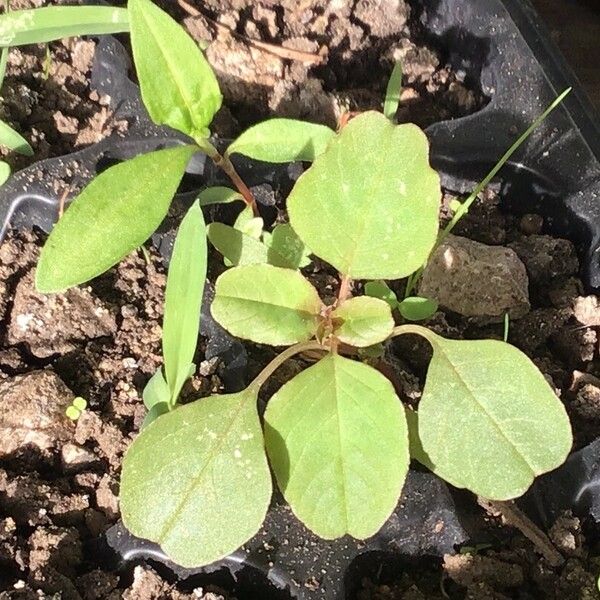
500	44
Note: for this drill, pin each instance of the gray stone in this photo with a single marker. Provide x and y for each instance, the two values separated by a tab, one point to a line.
32	412
476	280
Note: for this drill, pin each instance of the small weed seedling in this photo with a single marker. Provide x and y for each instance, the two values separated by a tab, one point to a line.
337	437
121	208
78	405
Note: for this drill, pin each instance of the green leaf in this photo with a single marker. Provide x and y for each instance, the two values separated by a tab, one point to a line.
13	140
380	289
218	195
488	420
392	93
80	403
117	212
237	247
39	25
369	205
196	481
178	86
159	409
416	308
248	224
266	304
364	321
183	299
156	390
283	140
4	172
286	249
338	444
73	413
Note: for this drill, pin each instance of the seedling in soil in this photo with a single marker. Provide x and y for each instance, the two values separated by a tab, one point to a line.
337	436
181	321
9	138
121	208
78	405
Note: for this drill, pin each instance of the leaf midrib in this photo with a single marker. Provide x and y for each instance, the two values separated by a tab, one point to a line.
212	454
173	71
487	414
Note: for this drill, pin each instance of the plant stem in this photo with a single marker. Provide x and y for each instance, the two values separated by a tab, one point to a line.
411	328
226	165
262	377
344	291
516	518
464	207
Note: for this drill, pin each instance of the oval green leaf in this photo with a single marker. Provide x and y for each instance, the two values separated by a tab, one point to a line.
286	249
39	25
283	140
183	299
380	289
488	420
218	195
369	204
417	308
196	480
237	247
14	140
178	86
266	304
364	321
338	444
117	212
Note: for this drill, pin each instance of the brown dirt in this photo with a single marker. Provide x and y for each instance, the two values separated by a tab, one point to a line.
59	480
358	43
47	98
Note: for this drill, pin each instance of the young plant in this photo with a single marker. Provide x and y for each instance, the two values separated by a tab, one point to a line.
336	436
197	479
121	208
181	320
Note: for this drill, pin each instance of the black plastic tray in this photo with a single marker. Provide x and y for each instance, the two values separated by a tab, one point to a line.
502	45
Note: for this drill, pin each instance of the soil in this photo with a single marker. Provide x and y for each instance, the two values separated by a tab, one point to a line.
59	478
354	47
47	98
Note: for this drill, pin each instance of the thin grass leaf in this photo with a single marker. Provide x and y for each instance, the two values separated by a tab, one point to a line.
50	23
392	93
183	299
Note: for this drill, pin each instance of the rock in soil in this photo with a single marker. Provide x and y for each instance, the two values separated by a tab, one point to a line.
32	414
475	280
546	257
56	323
587	310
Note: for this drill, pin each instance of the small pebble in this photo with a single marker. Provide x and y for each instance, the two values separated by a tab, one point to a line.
531	224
